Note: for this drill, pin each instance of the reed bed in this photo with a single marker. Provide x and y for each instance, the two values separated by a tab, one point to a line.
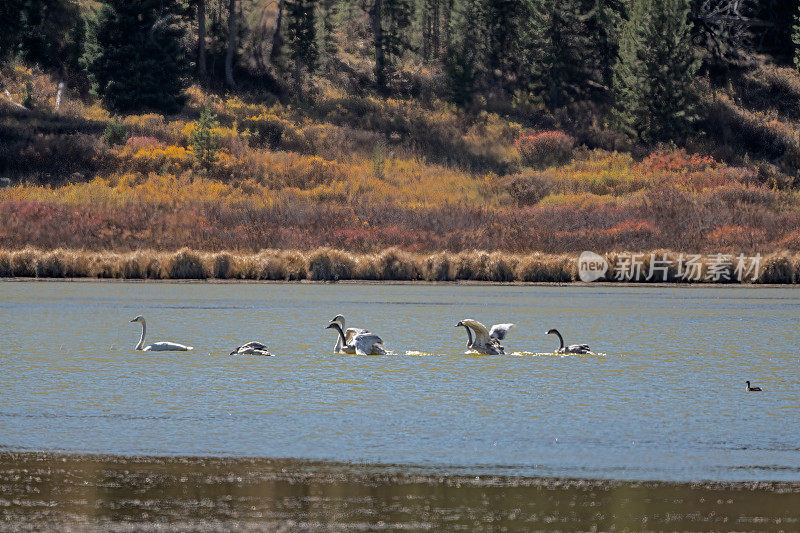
392	264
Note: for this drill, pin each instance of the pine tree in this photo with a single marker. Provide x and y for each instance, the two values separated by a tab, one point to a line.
326	32
655	70
301	36
558	54
134	54
466	58
503	19
603	26
390	22
796	38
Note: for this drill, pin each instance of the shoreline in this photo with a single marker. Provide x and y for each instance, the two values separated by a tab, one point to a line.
460	282
393	265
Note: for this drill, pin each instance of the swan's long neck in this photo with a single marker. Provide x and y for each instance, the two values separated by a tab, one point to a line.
341	333
560	339
340	338
469	337
144	331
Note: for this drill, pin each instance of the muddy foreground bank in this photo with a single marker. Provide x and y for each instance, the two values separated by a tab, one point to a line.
85	492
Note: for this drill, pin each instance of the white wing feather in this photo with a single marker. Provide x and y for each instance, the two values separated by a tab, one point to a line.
481	333
365	343
499	331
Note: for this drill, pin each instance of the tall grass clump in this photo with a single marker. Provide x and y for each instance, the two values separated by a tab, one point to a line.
538	268
327	264
439	267
186	264
24	263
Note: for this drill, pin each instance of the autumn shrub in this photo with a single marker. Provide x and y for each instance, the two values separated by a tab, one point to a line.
544	149
528	188
148	125
54	158
267	130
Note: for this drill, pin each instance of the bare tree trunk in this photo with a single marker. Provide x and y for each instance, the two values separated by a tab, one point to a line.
201	40
231	45
277	38
60	94
377	33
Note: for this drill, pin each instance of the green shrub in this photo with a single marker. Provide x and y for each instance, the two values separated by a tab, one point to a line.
204	140
115	133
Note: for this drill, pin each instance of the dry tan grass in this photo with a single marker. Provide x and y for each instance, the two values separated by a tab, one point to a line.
327	264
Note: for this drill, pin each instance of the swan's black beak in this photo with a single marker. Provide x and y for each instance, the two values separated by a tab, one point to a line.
330	326
458	325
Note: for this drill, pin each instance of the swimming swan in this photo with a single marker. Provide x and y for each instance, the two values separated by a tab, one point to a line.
157	346
349	334
360	344
752	389
572	348
252	348
484	342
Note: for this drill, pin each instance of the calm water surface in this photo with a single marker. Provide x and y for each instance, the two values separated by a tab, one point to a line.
665	400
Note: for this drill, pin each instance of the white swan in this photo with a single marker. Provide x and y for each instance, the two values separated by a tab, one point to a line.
572	348
349	334
361	343
157	346
252	348
484	342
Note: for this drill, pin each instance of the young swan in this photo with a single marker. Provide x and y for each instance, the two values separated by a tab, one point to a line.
157	346
752	389
572	348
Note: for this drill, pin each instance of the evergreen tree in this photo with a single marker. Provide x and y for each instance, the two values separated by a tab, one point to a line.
558	51
467	50
503	19
603	26
796	38
301	36
134	54
390	22
326	32
655	70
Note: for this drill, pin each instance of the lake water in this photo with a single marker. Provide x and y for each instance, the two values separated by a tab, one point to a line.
665	400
